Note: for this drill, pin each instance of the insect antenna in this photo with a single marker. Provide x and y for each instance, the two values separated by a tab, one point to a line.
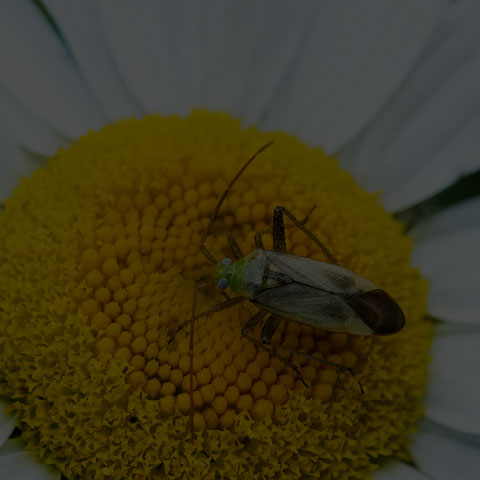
203	284
203	248
206	283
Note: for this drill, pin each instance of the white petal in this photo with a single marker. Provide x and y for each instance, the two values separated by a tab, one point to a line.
263	42
458	218
453	393
15	164
18	464
7	423
398	471
38	72
462	437
247	48
219	55
444	458
451	262
138	37
354	56
27	129
427	135
81	27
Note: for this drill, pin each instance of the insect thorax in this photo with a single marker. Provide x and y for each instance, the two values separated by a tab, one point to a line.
253	273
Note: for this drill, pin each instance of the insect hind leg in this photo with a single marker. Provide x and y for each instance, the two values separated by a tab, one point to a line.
269	329
278	232
236	251
308	356
279	211
327	363
250	325
279	241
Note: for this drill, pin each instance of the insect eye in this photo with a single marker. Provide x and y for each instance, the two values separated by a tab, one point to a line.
223	283
226	261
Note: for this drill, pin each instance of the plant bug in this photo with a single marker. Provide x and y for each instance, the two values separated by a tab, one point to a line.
304	290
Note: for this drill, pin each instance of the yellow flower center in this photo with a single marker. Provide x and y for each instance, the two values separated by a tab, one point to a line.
98	262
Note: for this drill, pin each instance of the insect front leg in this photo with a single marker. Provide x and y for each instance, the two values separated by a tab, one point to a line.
216	308
279	211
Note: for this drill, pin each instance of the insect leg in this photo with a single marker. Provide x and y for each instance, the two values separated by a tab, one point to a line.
316	359
203	248
310	357
203	284
237	253
250	325
270	327
221	306
216	308
258	235
279	242
326	252
259	241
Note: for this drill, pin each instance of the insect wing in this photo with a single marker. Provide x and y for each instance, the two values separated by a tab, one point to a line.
321	275
379	311
311	306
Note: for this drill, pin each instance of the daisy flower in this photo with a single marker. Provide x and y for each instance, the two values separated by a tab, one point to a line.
121	126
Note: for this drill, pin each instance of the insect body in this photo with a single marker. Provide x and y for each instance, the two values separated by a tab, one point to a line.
311	292
304	290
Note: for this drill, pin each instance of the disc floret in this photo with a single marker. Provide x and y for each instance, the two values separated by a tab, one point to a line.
98	262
